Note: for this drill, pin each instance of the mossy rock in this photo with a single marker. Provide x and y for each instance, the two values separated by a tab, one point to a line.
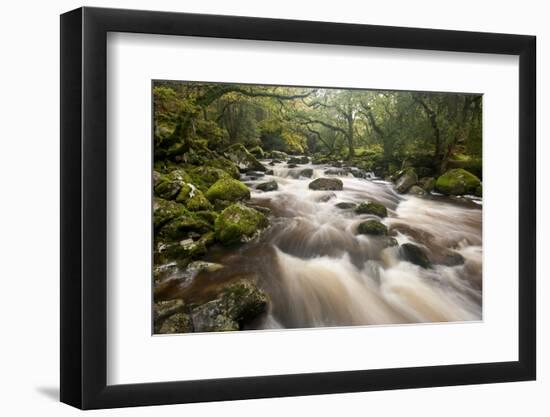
168	186
326	184
306	172
372	208
268	186
193	199
457	181
282	156
372	227
240	156
238	223
427	183
184	250
237	304
179	227
228	189
414	254
479	191
164	211
176	323
416	190
258	152
405	179
203	177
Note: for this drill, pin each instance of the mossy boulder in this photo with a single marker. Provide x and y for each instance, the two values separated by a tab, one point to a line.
326	184
282	156
193	198
238	223
179	227
168	186
258	152
372	227
479	191
228	189
239	155
268	186
164	211
237	304
372	208
427	183
457	181
414	254
405	179
184	250
416	190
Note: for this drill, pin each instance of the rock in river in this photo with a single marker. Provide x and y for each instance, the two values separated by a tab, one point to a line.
238	303
457	182
372	227
326	184
268	186
414	254
372	208
238	223
406	180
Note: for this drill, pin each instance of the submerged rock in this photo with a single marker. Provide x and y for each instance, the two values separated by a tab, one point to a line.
372	208
346	205
228	189
326	184
372	227
406	180
239	155
457	181
414	254
238	223
237	304
268	186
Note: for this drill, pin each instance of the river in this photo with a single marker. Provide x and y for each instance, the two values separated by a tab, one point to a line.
318	272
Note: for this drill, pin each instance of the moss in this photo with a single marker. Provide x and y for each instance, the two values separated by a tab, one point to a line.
228	189
372	227
238	154
372	208
164	211
456	182
237	223
203	177
169	185
198	202
180	227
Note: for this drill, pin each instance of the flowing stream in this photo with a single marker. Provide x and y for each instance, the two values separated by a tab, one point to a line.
318	272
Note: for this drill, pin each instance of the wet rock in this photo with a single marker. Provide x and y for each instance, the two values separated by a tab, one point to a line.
406	180
292	165
168	186
258	152
416	190
274	162
238	223
164	211
181	226
452	258
228	189
268	186
237	304
183	250
414	254
299	160
326	184
239	155
157	176
177	323
269	172
255	174
307	172
457	181
164	309
427	183
390	242
281	156
372	227
346	205
372	208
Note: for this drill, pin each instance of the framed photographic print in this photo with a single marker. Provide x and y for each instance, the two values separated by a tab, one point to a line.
257	208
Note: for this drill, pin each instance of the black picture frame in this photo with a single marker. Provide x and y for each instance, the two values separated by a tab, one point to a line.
84	207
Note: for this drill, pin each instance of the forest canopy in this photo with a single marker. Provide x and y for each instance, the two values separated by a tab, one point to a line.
373	128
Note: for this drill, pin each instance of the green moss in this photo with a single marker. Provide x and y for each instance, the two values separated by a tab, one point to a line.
169	185
180	227
372	227
258	152
164	211
372	208
239	155
228	189
237	223
198	202
456	182
203	177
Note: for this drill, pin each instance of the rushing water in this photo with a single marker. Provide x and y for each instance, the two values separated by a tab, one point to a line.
318	272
